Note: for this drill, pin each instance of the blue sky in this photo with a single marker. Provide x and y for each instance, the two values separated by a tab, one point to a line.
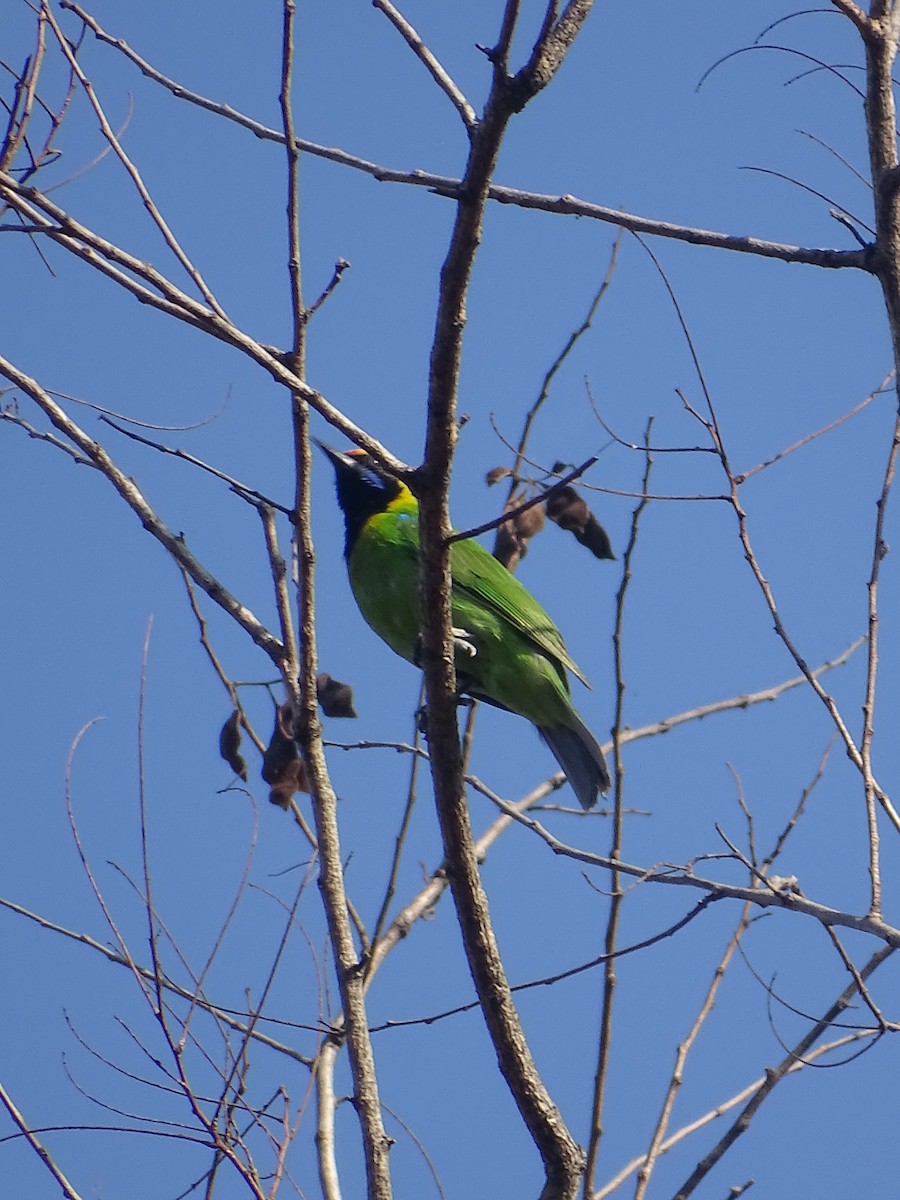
784	349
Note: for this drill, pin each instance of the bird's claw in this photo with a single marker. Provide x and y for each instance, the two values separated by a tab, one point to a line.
462	644
462	641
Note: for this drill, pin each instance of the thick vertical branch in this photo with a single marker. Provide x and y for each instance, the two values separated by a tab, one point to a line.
562	1158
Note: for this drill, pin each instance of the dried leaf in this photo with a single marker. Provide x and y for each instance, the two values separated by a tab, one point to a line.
513	536
495	474
595	538
282	767
293	780
567	509
507	549
530	522
570	512
335	698
229	745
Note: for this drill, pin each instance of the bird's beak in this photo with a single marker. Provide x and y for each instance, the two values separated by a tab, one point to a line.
337	459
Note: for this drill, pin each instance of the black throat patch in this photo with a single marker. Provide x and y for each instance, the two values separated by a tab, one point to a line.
362	491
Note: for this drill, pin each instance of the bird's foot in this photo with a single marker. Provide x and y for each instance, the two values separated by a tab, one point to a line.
462	644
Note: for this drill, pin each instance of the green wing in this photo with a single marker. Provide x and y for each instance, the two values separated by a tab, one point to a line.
478	574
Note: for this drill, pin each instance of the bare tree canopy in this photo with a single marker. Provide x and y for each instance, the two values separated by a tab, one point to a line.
619	297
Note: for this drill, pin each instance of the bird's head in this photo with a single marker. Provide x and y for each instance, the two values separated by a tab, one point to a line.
364	489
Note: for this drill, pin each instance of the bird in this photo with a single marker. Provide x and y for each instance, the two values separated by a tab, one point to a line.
508	652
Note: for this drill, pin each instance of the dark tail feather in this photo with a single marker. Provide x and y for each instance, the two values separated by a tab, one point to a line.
575	749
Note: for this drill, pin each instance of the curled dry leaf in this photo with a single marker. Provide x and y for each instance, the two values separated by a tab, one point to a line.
495	474
282	767
506	546
229	745
529	522
570	512
513	536
335	698
292	780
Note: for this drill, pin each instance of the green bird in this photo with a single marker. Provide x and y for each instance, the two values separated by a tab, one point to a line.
508	651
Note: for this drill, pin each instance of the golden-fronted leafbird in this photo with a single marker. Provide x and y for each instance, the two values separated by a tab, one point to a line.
508	651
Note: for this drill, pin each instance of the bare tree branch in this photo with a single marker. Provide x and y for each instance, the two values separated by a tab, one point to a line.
134	498
774	1075
610	979
562	1158
159	292
129	166
443	185
68	1189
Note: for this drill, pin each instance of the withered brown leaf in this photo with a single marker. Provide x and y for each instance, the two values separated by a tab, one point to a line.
282	767
229	745
335	698
513	536
570	512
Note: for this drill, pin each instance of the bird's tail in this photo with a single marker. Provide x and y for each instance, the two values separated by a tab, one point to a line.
576	750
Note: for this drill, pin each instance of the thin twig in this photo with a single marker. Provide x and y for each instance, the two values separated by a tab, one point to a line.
857	979
134	498
339	268
879	550
120	959
399	845
511	513
135	175
720	1110
810	437
833	204
240	489
42	435
658	1138
68	1189
300	683
840	157
604	1046
437	72
711	424
227	683
283	604
556	365
26	90
558	976
774	1075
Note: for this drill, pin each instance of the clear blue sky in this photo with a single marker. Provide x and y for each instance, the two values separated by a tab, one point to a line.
784	349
